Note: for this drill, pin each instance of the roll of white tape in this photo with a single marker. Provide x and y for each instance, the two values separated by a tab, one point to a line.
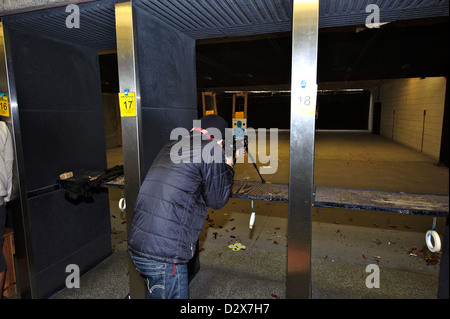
252	220
122	204
437	241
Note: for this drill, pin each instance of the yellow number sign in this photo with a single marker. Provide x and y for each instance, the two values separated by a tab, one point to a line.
127	104
4	106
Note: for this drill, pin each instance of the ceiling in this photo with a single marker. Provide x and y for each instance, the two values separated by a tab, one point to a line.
416	48
247	43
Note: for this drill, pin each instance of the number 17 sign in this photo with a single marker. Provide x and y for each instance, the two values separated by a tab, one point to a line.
127	104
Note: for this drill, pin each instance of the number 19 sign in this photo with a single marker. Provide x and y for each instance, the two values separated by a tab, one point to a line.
127	104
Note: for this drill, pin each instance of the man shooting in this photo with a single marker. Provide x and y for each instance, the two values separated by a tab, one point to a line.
172	205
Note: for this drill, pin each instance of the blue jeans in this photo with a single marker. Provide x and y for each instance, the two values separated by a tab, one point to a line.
163	280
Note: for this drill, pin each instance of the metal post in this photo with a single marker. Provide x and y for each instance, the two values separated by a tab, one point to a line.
19	202
131	125
301	171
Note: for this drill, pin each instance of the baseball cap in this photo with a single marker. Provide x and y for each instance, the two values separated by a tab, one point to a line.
215	121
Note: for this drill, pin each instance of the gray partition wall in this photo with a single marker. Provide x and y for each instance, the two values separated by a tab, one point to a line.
61	128
157	62
167	80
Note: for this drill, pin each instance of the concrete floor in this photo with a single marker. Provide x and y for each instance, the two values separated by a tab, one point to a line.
341	238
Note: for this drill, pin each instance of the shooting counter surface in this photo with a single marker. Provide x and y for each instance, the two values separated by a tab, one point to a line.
368	200
380	201
272	192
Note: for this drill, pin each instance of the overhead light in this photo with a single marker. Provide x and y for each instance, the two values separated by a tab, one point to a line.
340	90
258	92
289	91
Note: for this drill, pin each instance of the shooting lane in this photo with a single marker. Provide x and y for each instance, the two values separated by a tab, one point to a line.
57	119
18	203
55	72
157	63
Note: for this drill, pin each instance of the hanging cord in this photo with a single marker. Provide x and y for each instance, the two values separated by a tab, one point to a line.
433	234
252	217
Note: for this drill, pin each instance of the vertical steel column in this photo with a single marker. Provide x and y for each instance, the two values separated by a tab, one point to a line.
131	126
19	203
301	171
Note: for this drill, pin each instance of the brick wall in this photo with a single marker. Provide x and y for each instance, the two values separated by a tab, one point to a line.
404	102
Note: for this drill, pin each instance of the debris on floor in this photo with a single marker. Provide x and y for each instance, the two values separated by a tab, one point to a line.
376	241
376	258
237	247
429	258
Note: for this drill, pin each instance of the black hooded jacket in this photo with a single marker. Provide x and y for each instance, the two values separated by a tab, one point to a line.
173	201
